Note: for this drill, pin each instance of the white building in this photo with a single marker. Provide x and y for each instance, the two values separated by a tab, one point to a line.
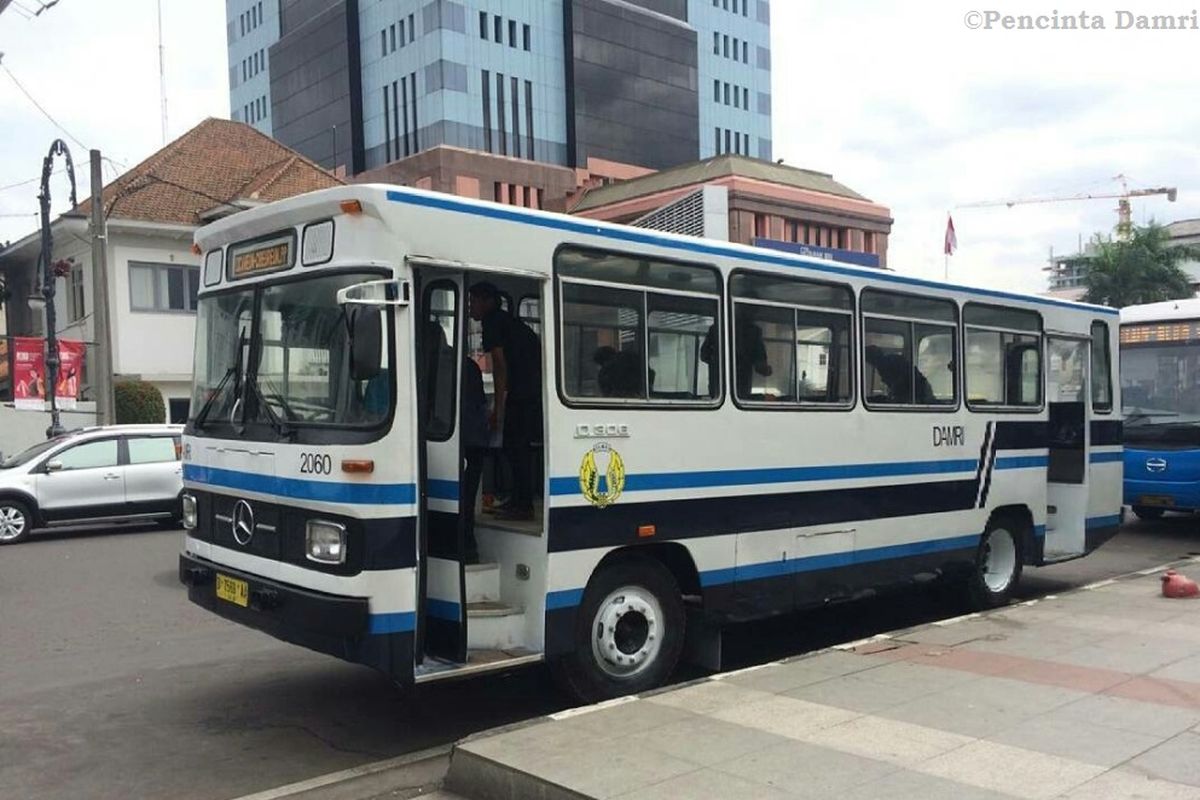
216	169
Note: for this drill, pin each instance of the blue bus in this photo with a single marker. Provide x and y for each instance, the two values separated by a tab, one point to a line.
1160	386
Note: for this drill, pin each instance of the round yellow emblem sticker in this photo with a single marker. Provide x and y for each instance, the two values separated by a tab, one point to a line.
614	475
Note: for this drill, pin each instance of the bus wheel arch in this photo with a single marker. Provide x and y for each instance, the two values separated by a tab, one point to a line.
630	628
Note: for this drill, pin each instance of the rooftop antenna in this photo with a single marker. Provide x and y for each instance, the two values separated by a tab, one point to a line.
162	74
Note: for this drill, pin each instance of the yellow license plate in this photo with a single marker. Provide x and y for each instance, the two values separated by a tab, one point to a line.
233	590
1156	500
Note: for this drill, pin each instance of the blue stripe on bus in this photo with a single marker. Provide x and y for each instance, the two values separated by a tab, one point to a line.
1021	462
443	609
640	236
1107	458
396	622
751	477
326	491
1039	531
1103	522
563	598
443	490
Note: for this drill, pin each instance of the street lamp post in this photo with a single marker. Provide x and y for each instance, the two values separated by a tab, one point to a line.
49	280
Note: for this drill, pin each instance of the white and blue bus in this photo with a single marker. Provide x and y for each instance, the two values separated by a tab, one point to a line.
1160	389
782	432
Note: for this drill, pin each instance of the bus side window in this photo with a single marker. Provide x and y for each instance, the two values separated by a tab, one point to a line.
1102	399
910	353
1003	357
440	362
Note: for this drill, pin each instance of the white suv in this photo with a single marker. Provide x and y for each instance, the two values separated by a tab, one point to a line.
113	473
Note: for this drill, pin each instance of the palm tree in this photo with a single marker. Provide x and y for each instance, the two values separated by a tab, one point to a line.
1143	269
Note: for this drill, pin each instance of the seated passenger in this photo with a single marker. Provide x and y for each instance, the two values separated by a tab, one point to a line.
899	376
620	372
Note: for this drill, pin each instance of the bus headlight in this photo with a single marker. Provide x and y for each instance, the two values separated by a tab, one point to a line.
325	542
188	515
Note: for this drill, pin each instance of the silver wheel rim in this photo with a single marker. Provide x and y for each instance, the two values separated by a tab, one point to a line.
627	632
999	560
12	523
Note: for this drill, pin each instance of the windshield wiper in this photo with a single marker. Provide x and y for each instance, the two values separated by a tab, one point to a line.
281	428
236	369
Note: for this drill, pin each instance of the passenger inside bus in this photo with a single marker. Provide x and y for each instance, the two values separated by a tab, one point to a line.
899	376
474	415
517	378
620	372
750	357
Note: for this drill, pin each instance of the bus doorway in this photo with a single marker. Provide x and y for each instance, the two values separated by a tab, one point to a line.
1067	489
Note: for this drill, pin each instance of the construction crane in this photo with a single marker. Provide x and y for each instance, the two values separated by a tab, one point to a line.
1124	210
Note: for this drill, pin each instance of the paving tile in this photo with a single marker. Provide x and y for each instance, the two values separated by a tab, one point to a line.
616	768
1059	639
888	740
785	716
1011	770
1068	676
805	671
631	717
1077	740
706	741
1126	784
855	693
909	785
706	697
1186	669
982	707
1159	691
1129	715
1177	759
705	784
1125	654
807	769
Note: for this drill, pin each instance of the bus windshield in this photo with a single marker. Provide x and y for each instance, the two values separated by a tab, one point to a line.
278	354
1160	389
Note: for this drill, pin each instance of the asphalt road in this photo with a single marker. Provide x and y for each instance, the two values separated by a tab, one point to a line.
113	686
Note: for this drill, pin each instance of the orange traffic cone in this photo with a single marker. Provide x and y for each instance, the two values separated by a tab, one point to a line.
1176	585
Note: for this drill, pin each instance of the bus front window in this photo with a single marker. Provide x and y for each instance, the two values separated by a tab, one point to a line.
1160	391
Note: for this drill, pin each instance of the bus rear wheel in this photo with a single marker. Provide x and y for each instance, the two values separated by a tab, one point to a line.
998	565
629	633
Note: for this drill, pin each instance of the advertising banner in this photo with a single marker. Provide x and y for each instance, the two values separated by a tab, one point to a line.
70	368
29	371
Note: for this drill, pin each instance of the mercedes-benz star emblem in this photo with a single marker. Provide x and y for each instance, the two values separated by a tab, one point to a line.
243	522
1156	464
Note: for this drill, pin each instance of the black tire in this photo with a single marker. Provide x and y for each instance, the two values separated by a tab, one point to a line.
998	564
586	676
10	512
1147	513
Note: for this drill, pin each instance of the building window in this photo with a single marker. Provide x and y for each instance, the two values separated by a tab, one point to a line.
717	142
727	94
383	43
516	113
512	33
525	33
725	44
412	29
728	140
392	35
746	52
401	36
716	42
163	287
483	25
75	305
500	114
498	30
746	97
716	91
529	117
487	111
178	410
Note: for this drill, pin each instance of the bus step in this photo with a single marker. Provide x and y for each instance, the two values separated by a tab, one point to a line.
495	626
483	583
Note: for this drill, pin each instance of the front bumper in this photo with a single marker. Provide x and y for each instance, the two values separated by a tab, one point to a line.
1185	494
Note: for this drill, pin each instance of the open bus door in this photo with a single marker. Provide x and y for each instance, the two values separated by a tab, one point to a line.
439	324
1067	473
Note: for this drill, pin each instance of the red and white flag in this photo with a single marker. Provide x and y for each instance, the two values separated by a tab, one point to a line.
951	238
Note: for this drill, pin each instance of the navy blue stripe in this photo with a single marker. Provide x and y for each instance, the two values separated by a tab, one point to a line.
443	490
396	622
1106	458
443	609
1103	522
325	491
637	236
756	477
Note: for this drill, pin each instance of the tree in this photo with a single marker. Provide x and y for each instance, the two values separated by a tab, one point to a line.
138	402
1143	269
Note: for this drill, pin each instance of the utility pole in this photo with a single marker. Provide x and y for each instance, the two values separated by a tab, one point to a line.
58	148
102	366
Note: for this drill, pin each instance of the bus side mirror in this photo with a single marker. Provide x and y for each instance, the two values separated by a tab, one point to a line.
366	342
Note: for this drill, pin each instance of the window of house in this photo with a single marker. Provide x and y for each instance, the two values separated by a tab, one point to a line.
1102	392
1003	357
909	351
637	330
791	341
178	410
76	308
163	287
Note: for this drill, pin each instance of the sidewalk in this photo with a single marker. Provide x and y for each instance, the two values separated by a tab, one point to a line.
1092	694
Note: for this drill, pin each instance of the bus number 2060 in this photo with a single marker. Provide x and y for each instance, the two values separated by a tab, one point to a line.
315	464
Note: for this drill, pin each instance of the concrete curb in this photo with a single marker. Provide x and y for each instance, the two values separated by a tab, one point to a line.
406	776
480	778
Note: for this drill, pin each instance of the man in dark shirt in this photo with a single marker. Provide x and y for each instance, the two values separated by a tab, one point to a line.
517	380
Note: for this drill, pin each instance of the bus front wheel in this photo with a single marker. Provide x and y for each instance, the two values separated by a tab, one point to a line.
629	634
998	564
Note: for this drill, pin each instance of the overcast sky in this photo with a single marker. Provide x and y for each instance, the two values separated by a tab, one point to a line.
901	101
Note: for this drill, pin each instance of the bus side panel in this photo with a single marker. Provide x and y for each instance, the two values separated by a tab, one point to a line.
1105	476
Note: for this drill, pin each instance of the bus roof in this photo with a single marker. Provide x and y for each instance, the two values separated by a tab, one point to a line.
1165	311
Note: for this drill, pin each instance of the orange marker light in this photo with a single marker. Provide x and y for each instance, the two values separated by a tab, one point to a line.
646	531
361	466
195	248
351	207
